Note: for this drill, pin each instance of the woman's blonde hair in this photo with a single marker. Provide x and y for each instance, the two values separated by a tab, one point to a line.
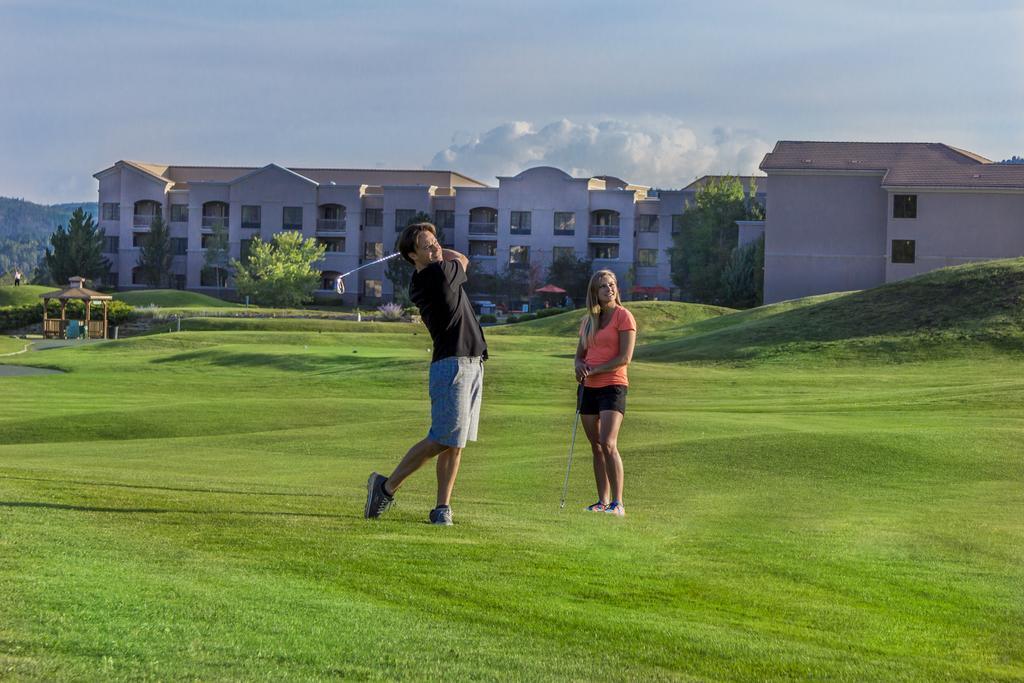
592	320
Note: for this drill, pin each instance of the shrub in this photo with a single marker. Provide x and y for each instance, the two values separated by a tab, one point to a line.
391	311
512	319
488	318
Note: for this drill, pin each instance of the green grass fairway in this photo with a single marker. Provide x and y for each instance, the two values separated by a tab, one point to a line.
11	344
653	317
23	294
188	506
172	298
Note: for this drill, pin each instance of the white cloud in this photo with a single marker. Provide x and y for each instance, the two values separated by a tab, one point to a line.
661	152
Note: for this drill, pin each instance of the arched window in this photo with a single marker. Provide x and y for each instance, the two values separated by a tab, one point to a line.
483	220
214	213
146	211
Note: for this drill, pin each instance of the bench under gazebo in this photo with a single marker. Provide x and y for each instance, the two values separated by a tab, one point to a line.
61	328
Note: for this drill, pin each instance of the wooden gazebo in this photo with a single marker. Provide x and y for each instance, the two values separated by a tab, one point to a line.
91	329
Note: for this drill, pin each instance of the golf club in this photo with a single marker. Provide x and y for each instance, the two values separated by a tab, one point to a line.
339	283
572	443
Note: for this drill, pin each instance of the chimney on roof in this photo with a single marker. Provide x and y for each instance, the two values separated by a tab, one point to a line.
77	281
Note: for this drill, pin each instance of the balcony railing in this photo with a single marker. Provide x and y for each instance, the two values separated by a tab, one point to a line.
604	231
144	220
330	225
250	225
519	231
210	221
478	228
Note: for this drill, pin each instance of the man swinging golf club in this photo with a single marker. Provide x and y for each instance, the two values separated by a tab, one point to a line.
456	370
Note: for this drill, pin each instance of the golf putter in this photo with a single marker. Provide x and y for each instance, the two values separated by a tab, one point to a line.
572	444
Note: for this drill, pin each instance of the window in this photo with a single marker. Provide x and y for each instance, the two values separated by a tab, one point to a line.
647	223
139	239
111	211
373	250
373	218
607	252
646	258
483	220
403	217
372	288
179	213
519	256
481	248
328	280
251	217
137	277
205	241
565	223
331	217
291	218
179	246
903	251
332	245
562	253
677	223
444	220
520	223
215	213
111	244
904	206
244	250
212	277
179	282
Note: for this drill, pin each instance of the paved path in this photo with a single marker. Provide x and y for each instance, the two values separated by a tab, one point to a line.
23	370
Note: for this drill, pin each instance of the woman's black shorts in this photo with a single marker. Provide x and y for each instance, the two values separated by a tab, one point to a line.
603	398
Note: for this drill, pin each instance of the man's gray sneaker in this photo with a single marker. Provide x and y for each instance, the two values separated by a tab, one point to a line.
377	500
442	516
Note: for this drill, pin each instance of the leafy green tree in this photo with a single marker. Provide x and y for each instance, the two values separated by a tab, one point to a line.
399	271
571	274
743	277
280	273
703	246
217	255
76	251
155	256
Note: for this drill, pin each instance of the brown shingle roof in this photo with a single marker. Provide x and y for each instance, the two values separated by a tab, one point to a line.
901	164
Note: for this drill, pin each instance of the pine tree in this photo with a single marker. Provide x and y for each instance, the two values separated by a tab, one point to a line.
156	256
76	251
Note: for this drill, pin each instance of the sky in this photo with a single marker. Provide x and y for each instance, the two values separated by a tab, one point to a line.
657	93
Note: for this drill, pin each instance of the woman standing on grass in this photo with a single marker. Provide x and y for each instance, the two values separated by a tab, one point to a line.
607	338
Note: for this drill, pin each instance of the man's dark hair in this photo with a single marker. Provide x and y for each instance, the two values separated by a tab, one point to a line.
407	240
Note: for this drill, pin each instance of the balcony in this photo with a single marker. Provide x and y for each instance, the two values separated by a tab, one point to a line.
519	231
330	225
604	231
478	228
144	220
210	221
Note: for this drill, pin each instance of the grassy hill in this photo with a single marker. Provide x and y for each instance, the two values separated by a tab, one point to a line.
969	309
199	517
651	317
25	294
172	298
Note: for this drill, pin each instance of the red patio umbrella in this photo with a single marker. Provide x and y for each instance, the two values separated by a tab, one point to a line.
550	289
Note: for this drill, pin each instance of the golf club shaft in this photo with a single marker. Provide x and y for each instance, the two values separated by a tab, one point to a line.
568	468
367	265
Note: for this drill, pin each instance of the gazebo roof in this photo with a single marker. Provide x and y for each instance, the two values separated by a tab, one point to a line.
75	290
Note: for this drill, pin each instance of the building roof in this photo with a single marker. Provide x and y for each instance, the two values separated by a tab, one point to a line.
181	176
76	290
901	164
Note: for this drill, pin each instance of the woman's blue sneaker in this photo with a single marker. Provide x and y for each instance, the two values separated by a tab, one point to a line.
597	507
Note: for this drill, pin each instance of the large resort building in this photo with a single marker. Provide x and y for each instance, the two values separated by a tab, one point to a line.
527	220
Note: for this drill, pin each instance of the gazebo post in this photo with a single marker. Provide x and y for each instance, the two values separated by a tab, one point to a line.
104	319
63	309
88	317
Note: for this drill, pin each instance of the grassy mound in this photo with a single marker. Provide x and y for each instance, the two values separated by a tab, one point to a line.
25	294
172	298
651	317
944	313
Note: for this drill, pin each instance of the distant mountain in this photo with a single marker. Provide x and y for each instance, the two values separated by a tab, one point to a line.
25	230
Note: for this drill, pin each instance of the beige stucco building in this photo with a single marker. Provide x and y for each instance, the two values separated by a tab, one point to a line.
852	215
527	220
